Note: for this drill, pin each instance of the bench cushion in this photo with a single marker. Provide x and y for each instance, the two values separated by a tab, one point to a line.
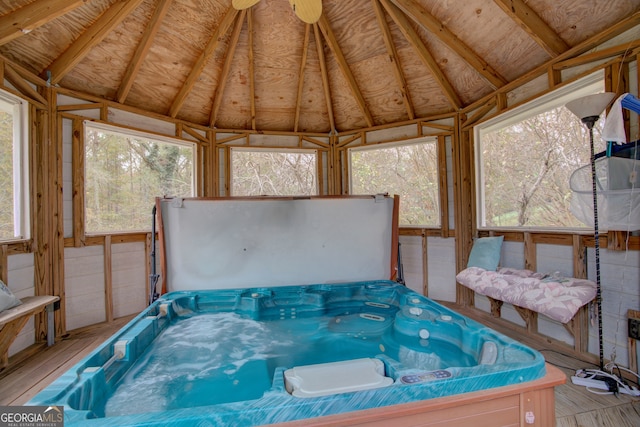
556	297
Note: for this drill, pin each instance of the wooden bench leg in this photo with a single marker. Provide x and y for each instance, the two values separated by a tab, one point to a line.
530	318
51	330
9	333
578	327
496	306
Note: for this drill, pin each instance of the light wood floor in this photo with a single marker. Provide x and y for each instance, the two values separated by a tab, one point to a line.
575	406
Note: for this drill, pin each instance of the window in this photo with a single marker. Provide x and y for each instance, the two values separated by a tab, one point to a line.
262	172
125	171
14	184
409	170
526	157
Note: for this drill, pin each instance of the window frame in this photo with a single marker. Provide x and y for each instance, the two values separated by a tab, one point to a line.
21	184
587	85
313	151
129	132
407	142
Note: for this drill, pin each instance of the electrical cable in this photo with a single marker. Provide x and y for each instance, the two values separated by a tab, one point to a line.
597	378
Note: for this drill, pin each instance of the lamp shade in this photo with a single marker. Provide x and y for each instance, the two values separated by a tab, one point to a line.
590	105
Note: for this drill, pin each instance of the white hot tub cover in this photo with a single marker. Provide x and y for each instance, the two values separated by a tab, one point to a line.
229	243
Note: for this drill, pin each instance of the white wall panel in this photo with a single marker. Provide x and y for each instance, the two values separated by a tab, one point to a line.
84	286
20	274
128	277
412	262
441	261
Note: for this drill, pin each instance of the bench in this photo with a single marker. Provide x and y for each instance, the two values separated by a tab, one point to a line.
562	299
13	320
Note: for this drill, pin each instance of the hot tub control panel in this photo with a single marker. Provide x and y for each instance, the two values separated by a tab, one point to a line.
423	377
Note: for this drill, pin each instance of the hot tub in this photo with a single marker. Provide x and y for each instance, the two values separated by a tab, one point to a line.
266	355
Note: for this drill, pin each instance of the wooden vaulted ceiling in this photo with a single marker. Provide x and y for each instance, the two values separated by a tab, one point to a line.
364	63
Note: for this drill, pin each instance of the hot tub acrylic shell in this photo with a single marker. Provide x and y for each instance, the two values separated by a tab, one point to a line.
381	320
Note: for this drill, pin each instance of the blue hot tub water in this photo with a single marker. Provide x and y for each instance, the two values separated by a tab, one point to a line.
220	356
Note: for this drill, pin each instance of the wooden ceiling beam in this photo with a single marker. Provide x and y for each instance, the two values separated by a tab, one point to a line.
393	58
344	67
33	15
325	77
425	56
418	14
623	49
303	63
22	85
529	21
93	35
143	48
219	32
224	74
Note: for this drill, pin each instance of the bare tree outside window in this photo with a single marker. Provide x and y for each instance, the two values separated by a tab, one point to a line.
14	181
408	170
273	173
6	175
526	169
124	174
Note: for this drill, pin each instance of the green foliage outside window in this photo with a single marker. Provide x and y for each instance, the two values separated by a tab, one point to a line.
124	174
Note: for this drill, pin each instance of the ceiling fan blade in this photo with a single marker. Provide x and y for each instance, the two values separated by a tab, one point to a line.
243	4
308	11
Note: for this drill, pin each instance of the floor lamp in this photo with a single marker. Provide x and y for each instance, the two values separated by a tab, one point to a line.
588	109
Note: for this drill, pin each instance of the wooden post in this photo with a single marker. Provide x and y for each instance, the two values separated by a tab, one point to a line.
77	160
530	261
463	171
108	280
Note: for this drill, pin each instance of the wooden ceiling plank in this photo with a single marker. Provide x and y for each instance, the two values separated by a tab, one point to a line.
418	14
252	78
579	49
142	49
33	15
303	63
224	74
93	35
325	77
344	67
425	56
220	31
530	22
393	58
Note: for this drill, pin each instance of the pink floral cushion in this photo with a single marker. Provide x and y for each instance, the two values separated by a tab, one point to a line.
556	297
